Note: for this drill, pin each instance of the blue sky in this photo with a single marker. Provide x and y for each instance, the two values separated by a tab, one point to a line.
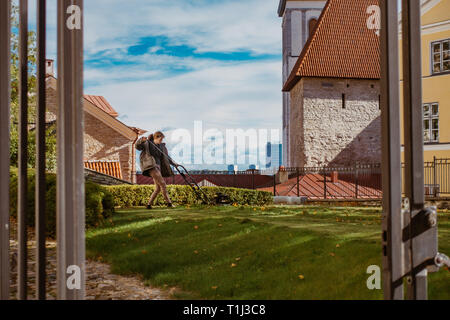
165	64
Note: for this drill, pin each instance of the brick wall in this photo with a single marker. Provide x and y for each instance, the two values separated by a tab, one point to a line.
101	142
324	133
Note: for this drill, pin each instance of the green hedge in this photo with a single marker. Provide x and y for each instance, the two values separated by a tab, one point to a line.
99	202
126	196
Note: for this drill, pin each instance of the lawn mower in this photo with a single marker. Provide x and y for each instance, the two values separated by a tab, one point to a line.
198	191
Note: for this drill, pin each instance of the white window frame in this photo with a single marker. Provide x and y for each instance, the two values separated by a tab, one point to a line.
430	116
441	53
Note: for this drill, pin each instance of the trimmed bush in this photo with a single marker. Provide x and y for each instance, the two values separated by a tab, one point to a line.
127	196
99	202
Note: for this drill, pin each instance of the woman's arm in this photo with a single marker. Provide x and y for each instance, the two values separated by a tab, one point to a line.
140	144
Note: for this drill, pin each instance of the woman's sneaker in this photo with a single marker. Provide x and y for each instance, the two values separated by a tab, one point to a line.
149	207
170	205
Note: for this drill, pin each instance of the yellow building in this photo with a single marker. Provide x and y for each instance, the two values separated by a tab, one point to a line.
436	78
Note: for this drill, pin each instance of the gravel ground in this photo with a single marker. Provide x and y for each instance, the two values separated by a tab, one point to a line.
101	284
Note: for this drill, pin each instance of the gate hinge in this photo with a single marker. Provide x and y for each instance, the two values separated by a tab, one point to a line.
442	260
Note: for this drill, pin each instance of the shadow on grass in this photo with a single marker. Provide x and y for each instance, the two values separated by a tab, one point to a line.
235	253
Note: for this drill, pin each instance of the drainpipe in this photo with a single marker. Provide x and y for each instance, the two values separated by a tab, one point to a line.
133	167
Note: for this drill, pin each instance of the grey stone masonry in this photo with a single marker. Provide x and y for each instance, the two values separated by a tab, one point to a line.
335	122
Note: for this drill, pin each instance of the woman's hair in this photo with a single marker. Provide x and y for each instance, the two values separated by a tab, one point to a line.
156	135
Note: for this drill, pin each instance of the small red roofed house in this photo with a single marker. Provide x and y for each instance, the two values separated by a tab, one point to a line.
109	144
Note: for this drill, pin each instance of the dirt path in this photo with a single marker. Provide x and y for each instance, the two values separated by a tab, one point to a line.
101	284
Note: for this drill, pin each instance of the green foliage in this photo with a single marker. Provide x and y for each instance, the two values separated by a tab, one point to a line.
127	196
14	133
99	204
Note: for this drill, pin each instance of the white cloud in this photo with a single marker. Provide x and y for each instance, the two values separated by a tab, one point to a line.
223	96
206	25
147	93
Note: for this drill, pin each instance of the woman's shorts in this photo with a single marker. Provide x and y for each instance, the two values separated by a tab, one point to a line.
147	172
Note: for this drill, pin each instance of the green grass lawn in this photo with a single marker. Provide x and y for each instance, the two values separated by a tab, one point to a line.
253	253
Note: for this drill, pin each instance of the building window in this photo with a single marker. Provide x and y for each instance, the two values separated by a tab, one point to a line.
440	56
343	101
312	24
431	122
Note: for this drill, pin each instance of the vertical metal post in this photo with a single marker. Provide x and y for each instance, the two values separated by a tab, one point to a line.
40	152
23	150
70	182
274	185
324	185
413	129
253	179
393	270
5	89
435	187
356	182
298	182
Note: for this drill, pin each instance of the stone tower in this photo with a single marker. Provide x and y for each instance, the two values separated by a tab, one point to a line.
299	19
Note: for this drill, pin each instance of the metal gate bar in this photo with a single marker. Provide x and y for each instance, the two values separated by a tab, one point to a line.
5	91
413	130
23	151
70	180
391	158
40	151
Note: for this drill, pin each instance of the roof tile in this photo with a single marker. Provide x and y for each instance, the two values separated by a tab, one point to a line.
102	103
342	46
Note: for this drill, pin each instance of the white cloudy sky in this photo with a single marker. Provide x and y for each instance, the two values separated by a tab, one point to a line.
165	64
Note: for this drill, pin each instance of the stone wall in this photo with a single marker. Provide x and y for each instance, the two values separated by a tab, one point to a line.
297	154
324	132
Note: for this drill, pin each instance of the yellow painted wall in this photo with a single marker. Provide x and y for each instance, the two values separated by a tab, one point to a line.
438	13
435	88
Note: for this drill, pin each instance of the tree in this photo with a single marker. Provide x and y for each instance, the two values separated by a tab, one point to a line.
14	134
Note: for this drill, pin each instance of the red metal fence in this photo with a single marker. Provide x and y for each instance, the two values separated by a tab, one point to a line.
359	182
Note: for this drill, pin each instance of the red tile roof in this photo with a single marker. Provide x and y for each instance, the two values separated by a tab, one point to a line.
138	130
111	168
342	46
102	103
312	186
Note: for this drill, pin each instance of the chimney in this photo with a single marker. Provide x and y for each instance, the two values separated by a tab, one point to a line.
334	177
50	67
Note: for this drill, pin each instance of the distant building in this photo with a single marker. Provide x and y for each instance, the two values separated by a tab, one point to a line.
274	154
233	168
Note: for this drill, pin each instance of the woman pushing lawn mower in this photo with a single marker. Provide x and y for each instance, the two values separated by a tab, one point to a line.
155	163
